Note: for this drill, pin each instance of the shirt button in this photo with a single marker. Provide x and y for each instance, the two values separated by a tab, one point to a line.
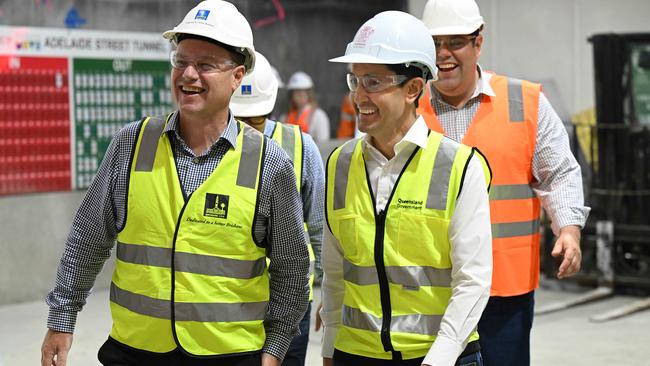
195	160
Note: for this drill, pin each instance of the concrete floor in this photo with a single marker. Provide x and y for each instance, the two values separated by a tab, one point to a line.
562	338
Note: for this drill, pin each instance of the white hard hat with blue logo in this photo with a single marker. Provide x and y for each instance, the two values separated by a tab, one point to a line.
220	21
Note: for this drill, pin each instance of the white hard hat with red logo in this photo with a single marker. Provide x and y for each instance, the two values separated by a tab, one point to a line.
393	37
452	17
222	22
257	93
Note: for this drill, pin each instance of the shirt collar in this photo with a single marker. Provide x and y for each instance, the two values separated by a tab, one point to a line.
482	86
417	135
229	134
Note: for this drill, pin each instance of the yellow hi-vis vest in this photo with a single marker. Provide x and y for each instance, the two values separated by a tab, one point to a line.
289	137
188	272
397	265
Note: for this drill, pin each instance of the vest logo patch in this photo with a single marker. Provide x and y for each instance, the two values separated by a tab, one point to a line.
216	205
408	204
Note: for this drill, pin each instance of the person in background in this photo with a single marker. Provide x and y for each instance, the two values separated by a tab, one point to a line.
406	254
252	103
513	123
348	123
303	109
197	202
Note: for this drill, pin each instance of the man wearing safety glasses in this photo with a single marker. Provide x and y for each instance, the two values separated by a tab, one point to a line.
406	253
197	201
514	124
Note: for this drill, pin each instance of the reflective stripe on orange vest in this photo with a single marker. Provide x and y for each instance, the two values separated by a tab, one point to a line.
505	129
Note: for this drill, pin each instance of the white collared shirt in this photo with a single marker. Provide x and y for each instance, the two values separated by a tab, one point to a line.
471	252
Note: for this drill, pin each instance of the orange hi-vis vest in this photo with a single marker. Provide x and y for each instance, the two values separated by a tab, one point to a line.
348	121
302	119
504	129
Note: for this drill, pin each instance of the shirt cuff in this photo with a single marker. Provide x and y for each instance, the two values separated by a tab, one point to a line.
444	351
329	337
61	321
277	345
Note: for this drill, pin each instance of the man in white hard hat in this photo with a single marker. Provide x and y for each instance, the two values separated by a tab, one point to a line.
513	123
196	201
406	254
252	103
303	108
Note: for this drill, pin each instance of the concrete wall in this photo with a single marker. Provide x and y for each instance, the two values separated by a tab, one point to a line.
540	40
33	229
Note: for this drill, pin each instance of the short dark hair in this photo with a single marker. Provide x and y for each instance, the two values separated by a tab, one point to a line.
411	72
236	56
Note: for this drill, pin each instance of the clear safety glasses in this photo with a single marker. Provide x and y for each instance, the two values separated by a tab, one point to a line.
203	65
374	83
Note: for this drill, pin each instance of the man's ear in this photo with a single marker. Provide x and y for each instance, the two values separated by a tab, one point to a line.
238	75
414	89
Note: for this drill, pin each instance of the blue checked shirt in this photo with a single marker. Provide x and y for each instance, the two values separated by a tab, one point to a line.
312	191
279	224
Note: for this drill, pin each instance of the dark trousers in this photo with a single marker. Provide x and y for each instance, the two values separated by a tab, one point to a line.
114	353
504	330
467	358
298	349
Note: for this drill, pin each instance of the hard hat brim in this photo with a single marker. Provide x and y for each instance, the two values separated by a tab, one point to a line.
358	58
249	107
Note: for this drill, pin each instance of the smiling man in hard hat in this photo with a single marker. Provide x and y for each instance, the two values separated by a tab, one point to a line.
197	201
252	103
406	254
513	123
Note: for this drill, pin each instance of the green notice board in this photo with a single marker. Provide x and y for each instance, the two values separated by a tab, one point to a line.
640	54
109	93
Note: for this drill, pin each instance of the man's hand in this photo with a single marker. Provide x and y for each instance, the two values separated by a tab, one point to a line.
270	360
319	322
54	350
567	248
328	361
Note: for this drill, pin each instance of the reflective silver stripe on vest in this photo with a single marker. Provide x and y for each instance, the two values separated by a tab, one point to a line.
149	144
414	323
288	141
439	185
511	229
511	192
250	157
342	173
407	276
189	262
199	312
516	100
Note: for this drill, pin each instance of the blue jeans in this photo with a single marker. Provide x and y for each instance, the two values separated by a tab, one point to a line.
473	359
298	349
504	330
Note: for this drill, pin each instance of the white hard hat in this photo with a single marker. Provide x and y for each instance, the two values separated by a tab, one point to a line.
277	76
300	80
393	37
257	93
450	17
222	22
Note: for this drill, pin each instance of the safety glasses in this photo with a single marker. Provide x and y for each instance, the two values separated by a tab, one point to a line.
374	83
453	43
203	65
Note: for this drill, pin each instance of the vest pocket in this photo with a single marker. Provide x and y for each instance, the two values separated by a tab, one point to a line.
348	236
422	241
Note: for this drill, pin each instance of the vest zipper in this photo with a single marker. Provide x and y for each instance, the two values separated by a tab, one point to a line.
384	291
